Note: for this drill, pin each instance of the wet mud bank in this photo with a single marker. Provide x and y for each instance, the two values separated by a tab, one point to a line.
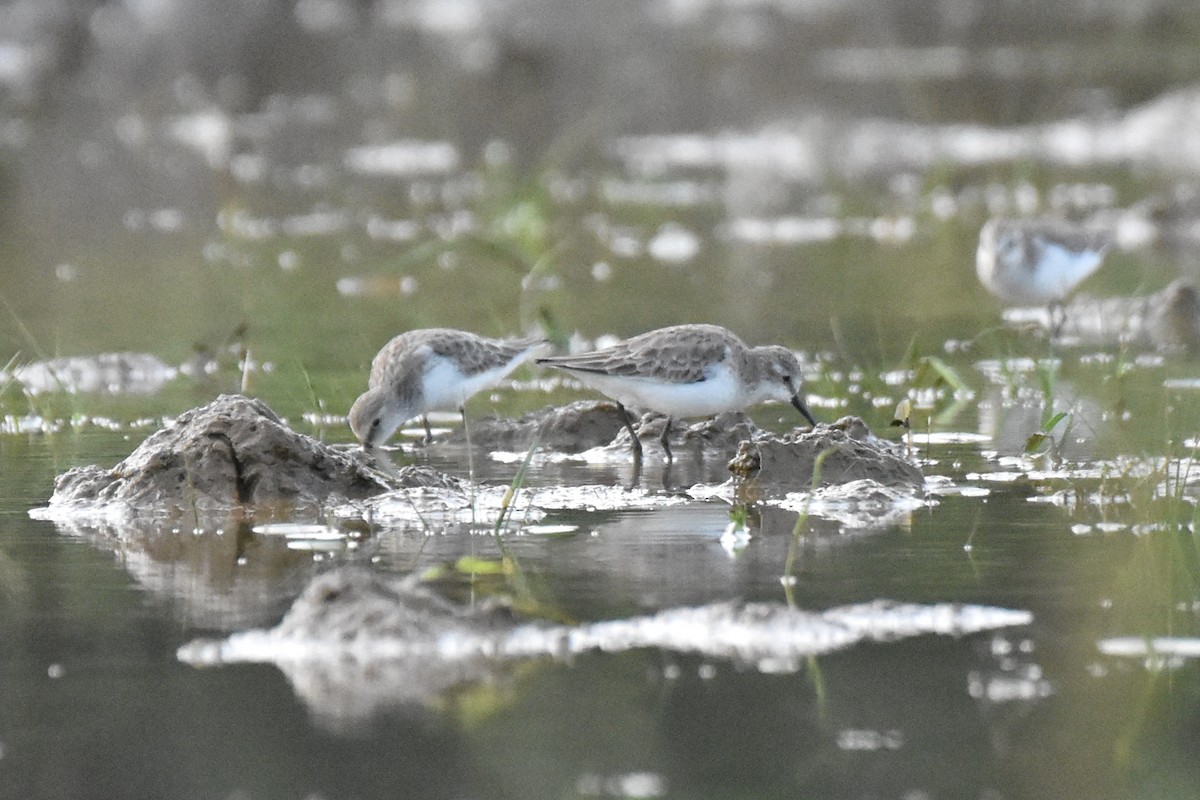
593	425
233	452
846	450
843	453
1167	321
356	641
572	428
236	453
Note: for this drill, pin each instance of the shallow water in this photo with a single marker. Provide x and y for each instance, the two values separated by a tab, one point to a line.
258	196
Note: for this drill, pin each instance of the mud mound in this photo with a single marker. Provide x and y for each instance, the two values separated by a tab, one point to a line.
232	452
567	429
1168	320
356	642
847	450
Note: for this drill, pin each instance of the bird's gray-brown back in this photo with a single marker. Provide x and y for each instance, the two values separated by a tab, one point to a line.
678	354
409	351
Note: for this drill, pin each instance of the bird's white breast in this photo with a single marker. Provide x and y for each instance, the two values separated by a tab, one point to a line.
446	386
719	391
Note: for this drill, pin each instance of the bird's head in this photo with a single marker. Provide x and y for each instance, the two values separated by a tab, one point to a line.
374	417
780	379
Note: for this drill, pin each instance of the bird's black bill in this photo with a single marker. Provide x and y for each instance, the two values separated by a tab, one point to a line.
798	402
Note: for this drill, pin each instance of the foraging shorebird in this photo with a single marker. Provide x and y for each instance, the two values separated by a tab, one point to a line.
429	369
687	371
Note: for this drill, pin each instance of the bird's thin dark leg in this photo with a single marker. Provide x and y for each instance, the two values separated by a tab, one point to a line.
1058	318
467	435
665	439
635	475
637	443
428	432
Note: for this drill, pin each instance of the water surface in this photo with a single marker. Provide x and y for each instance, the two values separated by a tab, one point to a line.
261	195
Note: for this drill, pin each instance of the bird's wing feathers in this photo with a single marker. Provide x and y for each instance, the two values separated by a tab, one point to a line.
675	359
476	354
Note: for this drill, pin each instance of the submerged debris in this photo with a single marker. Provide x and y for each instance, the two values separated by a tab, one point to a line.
114	373
355	640
438	508
847	450
232	452
859	505
1158	651
1168	320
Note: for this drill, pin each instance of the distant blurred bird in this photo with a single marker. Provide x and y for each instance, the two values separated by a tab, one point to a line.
1036	261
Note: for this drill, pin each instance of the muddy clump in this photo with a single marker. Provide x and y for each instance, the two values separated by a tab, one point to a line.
566	429
588	424
1168	320
356	642
720	434
360	614
232	452
847	450
351	603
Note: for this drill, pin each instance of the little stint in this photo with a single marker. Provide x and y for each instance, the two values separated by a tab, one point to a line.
429	369
687	371
1036	261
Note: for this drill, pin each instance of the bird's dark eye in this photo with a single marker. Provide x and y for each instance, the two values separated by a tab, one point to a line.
374	423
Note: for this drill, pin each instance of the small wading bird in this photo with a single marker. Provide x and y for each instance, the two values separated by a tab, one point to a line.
431	369
687	371
1036	261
